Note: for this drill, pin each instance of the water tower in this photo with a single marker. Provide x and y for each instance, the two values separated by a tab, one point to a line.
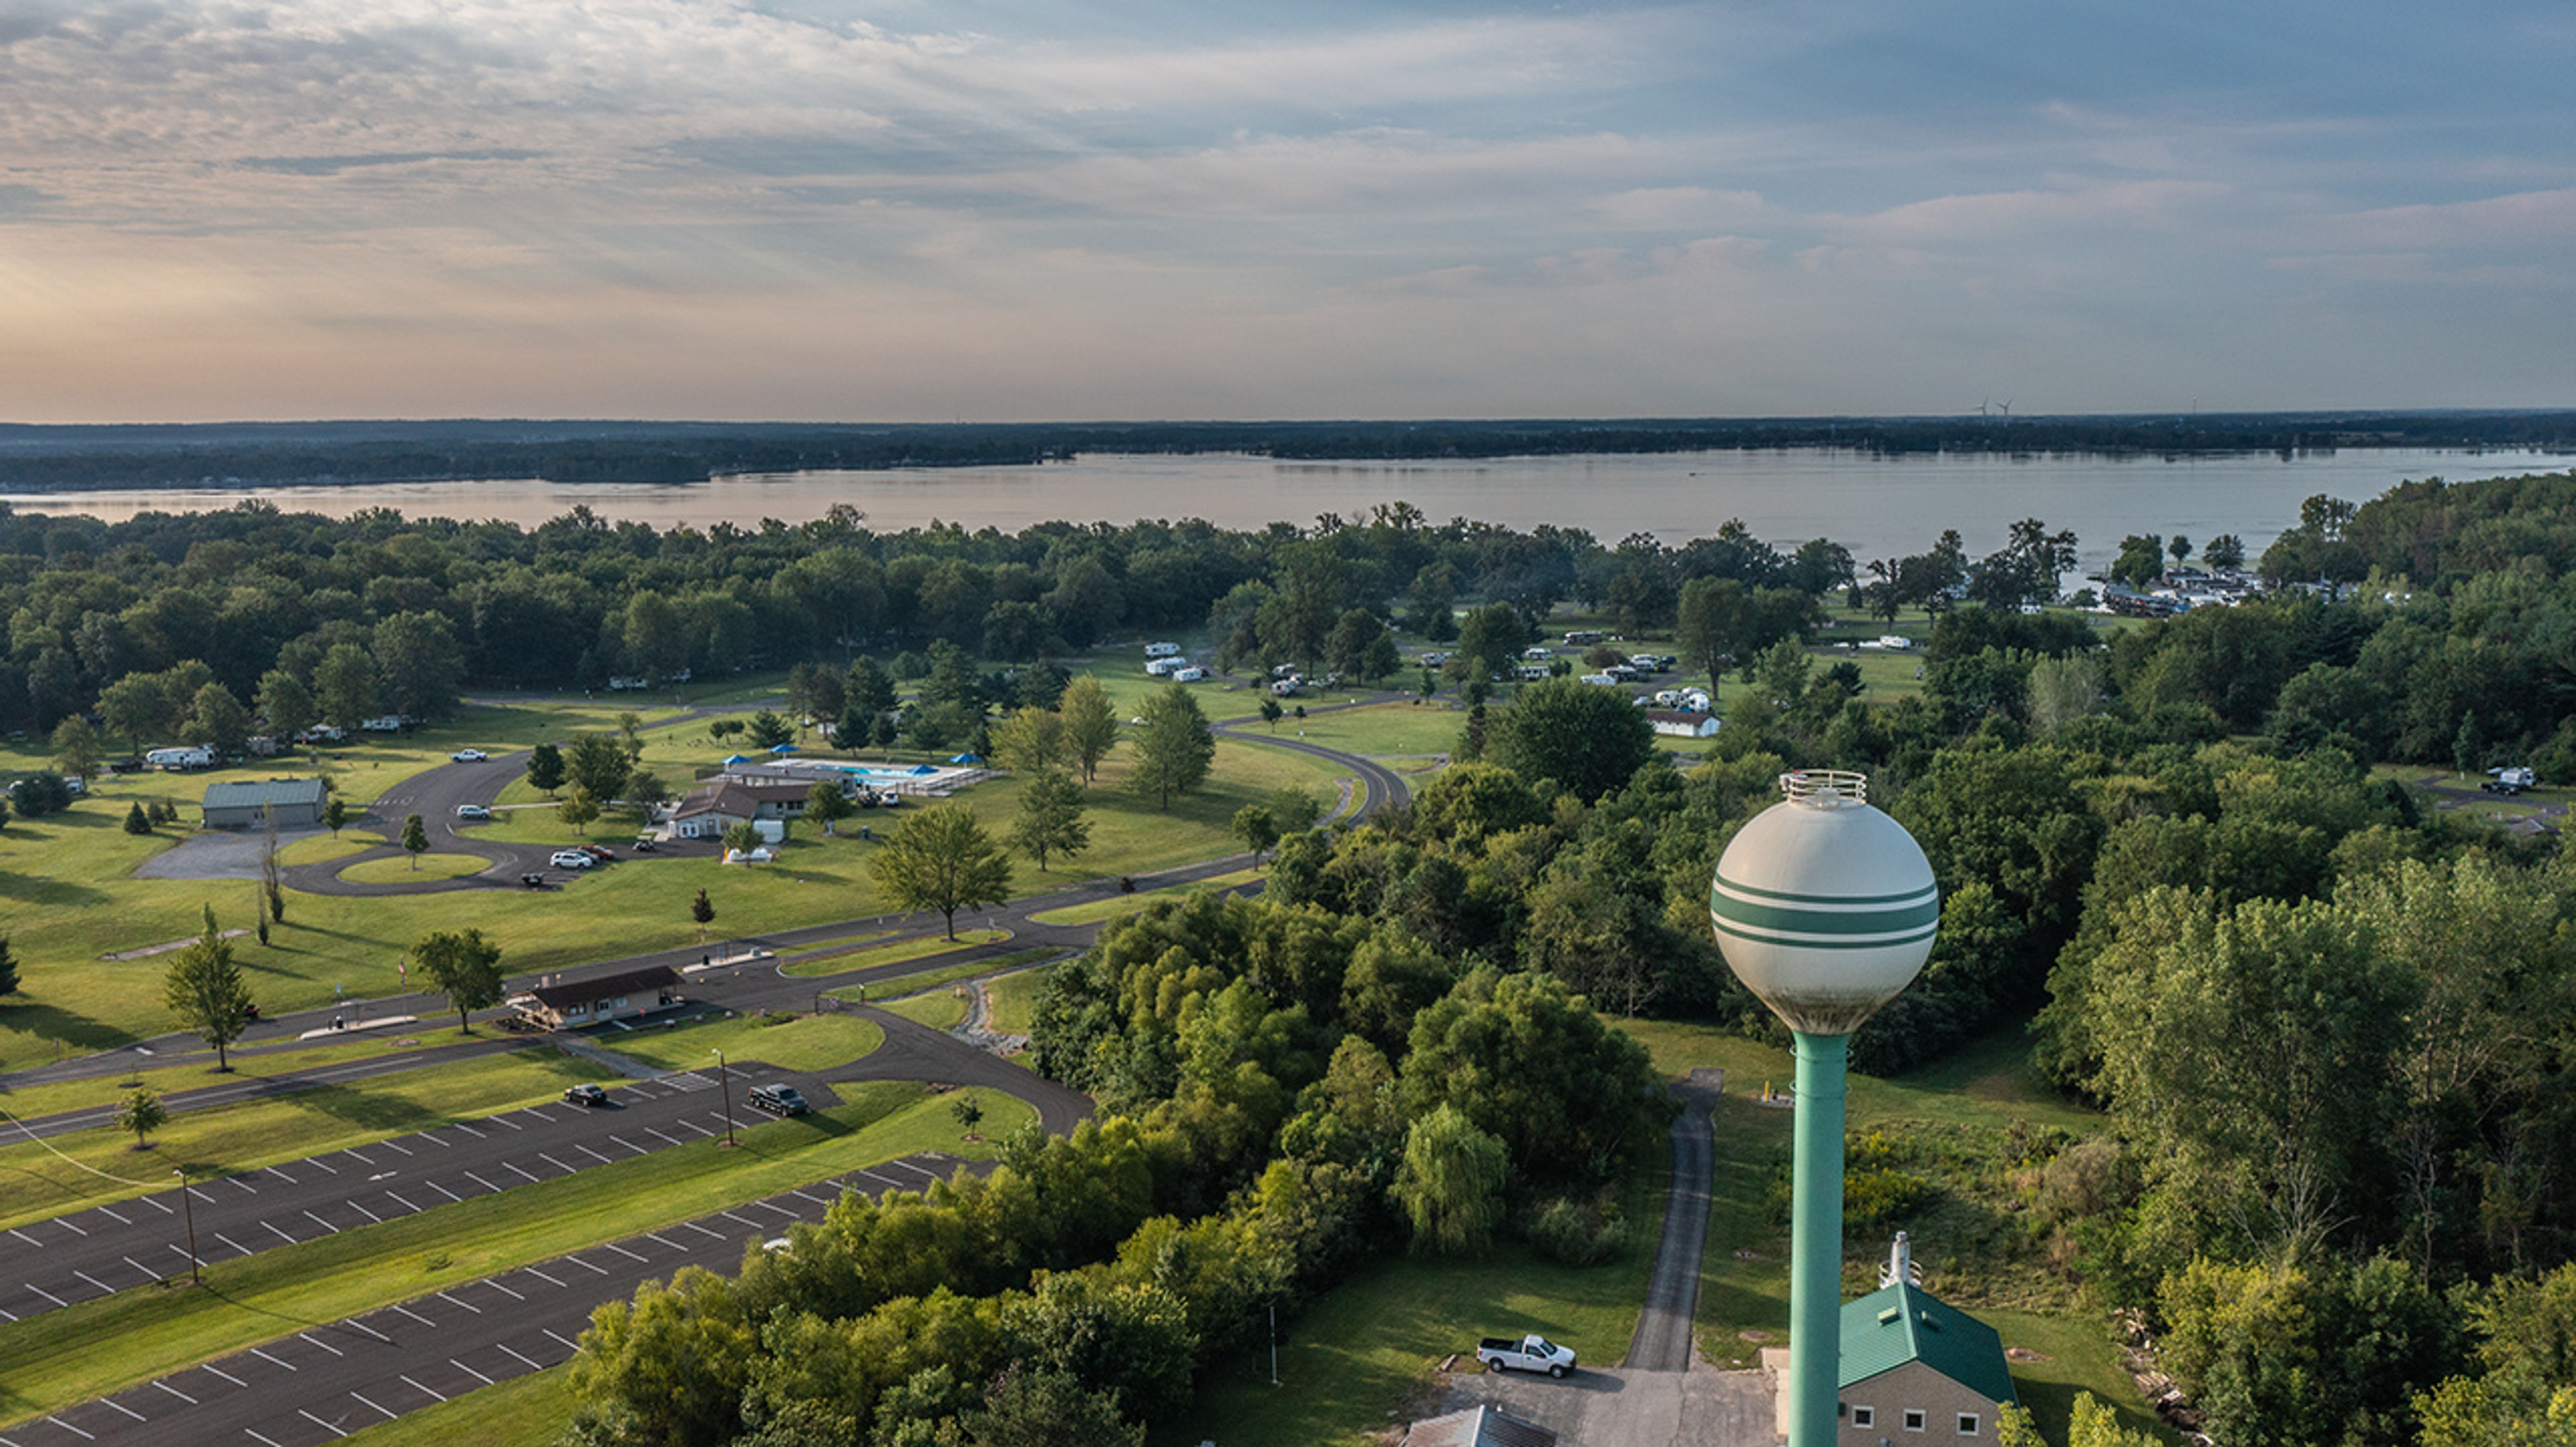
1825	909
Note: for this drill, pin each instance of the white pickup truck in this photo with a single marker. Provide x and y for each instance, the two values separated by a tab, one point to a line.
1532	1353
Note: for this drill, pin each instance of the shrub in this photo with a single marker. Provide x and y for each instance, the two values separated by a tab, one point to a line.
1578	1233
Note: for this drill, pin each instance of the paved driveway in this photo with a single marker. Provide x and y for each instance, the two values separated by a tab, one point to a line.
1626	1406
217	854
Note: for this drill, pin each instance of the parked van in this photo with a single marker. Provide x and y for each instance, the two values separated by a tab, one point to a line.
193	756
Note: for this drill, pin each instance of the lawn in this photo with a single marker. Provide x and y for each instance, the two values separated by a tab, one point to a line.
1361	1349
1013	997
905	986
415	867
1386	729
938	1009
110	1343
790	1042
874	956
1119	906
529	1411
69	896
36	1179
1954	1114
167	1074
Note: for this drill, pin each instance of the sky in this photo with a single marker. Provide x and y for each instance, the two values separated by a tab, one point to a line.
1000	210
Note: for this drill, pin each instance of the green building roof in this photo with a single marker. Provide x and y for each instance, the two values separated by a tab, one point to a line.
264	792
1898	1324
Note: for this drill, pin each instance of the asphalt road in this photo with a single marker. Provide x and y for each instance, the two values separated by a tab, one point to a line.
1663	1340
320	1381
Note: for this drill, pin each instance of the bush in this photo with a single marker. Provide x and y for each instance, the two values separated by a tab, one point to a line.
1577	1233
136	821
40	794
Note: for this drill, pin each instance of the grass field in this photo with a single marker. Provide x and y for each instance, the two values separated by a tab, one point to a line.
69	896
1379	730
905	986
790	1042
36	1179
414	868
112	1342
1012	997
529	1411
1121	905
939	1009
894	954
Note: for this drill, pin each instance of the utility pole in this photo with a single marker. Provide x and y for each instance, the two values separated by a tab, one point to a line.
188	1212
726	1082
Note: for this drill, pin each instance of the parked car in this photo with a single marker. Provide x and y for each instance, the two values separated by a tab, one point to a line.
600	852
533	881
473	811
644	846
778	1100
585	1094
571	859
1532	1353
468	756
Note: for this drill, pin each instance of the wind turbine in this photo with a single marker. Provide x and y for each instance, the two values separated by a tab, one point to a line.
2005	407
1982	406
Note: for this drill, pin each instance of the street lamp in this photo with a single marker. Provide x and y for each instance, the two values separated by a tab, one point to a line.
188	1212
726	1083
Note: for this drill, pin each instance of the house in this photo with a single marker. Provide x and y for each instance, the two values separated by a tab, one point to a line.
710	811
1483	1425
1682	725
297	804
593	1002
1916	1369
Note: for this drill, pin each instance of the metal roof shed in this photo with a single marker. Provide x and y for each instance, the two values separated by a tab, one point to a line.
297	802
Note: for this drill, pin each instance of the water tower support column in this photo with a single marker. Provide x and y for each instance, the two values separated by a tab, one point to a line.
1816	1240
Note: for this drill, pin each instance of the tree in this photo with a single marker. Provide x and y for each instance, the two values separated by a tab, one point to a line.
1490	642
1050	820
642	790
1032	1407
942	859
272	870
8	968
1293	809
335	815
1256	828
968	1113
133	706
1590	740
2225	551
767	730
703	910
142	1113
205	989
2141	561
1710	627
826	805
597	766
867	690
1271	713
136	821
415	838
218	720
1030	739
463	966
285	703
578	810
78	750
1429	602
345	686
546	769
740	838
1174	749
419	662
1090	723
1451	1182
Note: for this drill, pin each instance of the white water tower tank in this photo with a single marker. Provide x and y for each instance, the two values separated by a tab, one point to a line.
1824	906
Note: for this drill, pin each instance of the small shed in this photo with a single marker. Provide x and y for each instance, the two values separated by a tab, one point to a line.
571	1004
1483	1425
297	804
1916	1369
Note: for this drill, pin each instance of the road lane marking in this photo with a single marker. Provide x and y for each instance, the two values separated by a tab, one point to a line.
442	1190
443	1296
68	1427
272	1361
227	1376
505	1291
622	1251
389	1416
282	1236
406	1205
363	1211
541	1276
319	1342
129	1411
318	1422
111	1215
325	1225
469	1371
559	1336
577	1261
416	1316
415	1386
174	1391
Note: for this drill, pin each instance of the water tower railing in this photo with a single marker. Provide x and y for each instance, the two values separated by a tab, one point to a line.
1825	788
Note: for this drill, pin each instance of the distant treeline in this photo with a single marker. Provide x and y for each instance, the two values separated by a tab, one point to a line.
325	453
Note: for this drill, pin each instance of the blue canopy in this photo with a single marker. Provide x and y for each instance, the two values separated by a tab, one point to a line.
966	759
924	769
784	749
738	759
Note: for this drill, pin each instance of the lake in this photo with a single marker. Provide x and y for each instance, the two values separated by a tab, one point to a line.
1876	506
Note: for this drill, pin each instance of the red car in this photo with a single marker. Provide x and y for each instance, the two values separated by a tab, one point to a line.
600	852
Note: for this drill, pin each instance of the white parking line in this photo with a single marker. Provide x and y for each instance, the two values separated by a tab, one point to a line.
68	1427
622	1251
442	1190
111	1215
395	1146
352	1153
478	1180
271	1442
23	1236
505	1120
282	1236
155	1201
630	1145
227	1240
272	1361
283	1176
47	1295
539	1114
665	1240
594	1155
318	1422
389	1416
94	1281
558	1165
363	1211
559	1336
442	1145
443	1296
148	1273
746	1220
66	1224
129	1411
823	1201
417	1387
577	1261
541	1276
774	1206
406	1205
317	1161
174	1391
325	1225
533	1365
703	1231
469	1371
245	1185
227	1376
666	1139
692	1125
416	1316
319	1342
469	1130
505	1291
513	1165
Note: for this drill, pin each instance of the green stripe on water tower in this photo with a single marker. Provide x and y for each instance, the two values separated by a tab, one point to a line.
1823	921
